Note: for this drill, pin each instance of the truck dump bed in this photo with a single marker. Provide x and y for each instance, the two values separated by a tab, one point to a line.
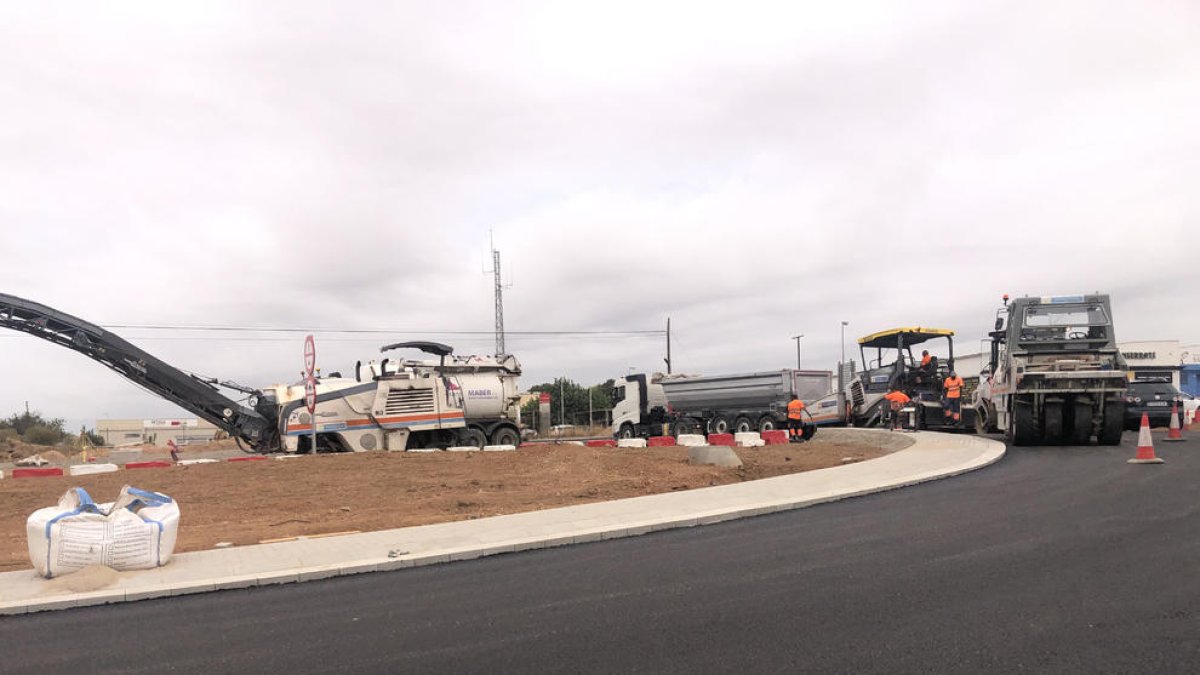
744	391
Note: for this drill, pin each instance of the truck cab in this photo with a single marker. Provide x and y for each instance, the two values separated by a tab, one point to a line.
638	401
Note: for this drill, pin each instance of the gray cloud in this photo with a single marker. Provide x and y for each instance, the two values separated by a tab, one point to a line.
751	173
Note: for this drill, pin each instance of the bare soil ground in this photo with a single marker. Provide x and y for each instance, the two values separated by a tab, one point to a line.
248	502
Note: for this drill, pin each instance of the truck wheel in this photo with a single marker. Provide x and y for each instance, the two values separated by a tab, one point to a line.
1114	420
1079	423
718	425
687	425
626	431
1022	429
473	436
766	423
981	420
506	436
1052	423
743	425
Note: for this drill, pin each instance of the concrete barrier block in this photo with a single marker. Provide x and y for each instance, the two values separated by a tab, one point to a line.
691	440
604	443
190	462
89	469
775	437
147	465
718	455
248	458
499	448
424	450
631	443
721	439
748	439
462	448
40	472
290	455
661	442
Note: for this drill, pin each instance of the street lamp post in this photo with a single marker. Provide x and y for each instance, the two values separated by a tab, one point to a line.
797	339
844	324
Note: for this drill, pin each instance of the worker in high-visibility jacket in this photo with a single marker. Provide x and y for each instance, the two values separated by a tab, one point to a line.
897	400
795	423
953	386
925	370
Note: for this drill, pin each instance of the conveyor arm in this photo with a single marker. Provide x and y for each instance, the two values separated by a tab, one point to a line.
253	425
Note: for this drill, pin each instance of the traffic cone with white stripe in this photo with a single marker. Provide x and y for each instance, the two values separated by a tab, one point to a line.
1145	449
1174	432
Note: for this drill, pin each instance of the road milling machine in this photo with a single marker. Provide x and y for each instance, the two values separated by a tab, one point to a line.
394	404
1055	375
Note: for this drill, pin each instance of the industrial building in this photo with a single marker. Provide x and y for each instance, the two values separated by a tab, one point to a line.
184	431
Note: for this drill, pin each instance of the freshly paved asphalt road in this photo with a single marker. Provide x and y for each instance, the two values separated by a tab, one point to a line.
1053	560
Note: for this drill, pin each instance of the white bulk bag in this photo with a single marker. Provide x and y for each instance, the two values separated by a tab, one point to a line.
137	531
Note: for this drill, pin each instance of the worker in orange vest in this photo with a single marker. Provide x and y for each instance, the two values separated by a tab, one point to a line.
897	400
795	409
925	358
953	387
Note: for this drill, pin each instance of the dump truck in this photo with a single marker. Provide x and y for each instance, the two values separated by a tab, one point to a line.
392	404
1055	375
657	404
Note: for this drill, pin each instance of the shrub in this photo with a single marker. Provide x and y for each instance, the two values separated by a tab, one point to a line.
40	434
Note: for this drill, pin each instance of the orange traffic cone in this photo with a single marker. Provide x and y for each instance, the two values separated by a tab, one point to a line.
1173	431
1145	449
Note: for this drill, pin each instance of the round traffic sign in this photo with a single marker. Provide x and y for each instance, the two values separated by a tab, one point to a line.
310	394
310	355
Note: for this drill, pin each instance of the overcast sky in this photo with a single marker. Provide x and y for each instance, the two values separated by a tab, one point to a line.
752	170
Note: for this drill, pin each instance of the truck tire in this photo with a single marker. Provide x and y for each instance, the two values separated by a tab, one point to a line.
626	431
1113	425
1079	423
473	436
506	436
1052	423
687	425
1022	430
719	424
766	423
743	425
981	420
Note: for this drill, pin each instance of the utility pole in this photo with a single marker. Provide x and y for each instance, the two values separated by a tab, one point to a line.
797	339
562	401
668	359
589	408
499	284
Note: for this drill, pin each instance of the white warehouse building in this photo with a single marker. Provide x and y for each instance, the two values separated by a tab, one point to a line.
1150	361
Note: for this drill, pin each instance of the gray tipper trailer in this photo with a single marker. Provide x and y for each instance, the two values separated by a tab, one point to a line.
666	405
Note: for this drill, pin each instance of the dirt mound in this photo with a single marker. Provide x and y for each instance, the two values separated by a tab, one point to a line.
249	502
12	450
90	578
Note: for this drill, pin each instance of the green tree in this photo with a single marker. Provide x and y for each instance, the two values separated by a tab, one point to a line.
567	393
34	428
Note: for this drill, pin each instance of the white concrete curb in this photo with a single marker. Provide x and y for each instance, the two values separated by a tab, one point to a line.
932	456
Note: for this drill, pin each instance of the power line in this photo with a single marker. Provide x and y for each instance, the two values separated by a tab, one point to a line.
279	329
